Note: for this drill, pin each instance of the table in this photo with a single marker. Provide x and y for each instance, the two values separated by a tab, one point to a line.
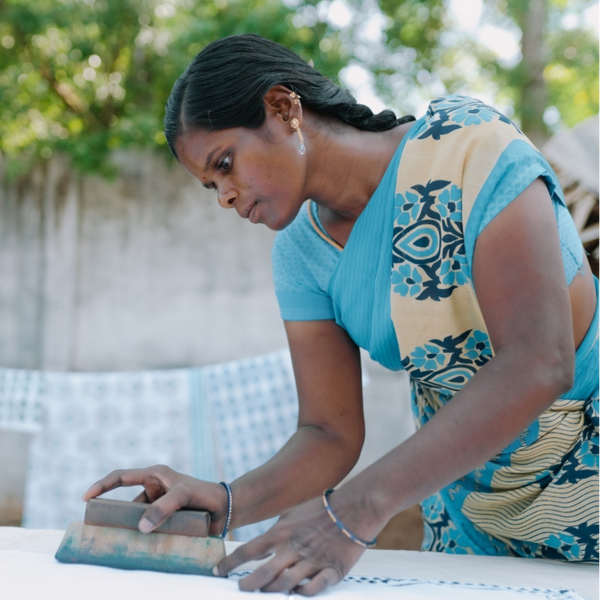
29	544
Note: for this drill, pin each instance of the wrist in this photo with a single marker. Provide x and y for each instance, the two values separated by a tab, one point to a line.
338	523
228	508
219	514
357	513
379	496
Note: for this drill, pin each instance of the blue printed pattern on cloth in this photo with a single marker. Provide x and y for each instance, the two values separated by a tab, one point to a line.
21	400
428	251
216	422
254	407
92	423
449	113
444	589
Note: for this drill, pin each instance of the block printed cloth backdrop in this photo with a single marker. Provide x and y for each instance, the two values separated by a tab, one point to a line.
216	423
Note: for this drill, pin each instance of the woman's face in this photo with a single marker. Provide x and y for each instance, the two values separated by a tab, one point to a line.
259	172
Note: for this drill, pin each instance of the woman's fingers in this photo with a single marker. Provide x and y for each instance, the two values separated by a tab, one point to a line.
262	577
143	497
256	549
125	478
166	491
160	510
322	580
289	578
114	480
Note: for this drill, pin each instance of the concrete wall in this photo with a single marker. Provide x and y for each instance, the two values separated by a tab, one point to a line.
146	271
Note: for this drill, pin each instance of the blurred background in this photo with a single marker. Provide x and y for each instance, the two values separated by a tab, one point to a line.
112	259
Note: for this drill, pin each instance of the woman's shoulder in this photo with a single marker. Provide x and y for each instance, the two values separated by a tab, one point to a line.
467	110
456	113
460	114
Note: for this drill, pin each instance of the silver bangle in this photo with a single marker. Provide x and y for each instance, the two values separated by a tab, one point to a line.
229	508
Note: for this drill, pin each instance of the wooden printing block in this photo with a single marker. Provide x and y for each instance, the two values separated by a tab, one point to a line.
110	537
127	515
129	549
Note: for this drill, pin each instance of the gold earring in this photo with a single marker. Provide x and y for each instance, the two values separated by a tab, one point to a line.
296	98
295	125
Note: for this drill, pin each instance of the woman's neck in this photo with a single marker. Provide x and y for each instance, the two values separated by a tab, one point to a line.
345	167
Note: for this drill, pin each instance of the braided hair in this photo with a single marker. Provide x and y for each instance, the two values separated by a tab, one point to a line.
225	84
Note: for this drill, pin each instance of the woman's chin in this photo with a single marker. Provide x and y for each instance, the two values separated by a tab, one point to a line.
279	225
279	222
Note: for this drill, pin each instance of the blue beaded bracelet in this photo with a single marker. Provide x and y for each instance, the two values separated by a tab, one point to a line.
229	508
340	525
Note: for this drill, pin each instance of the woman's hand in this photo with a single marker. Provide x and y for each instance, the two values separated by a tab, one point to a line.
167	491
310	552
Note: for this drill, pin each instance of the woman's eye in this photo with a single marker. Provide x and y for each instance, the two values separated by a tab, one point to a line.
225	164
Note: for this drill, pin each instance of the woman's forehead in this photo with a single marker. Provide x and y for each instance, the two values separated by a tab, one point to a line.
200	141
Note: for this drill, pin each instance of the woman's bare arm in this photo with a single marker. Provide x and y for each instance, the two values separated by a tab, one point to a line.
330	425
320	454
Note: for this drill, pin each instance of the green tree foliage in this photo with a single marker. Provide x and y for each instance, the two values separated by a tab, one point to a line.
84	77
570	53
441	59
572	74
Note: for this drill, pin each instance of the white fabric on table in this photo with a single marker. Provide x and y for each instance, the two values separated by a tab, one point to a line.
399	564
26	576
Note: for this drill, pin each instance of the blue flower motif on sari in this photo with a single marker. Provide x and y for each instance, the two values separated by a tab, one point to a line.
478	344
428	236
587	453
450	362
428	358
525	549
582	460
455	271
449	113
472	116
437	126
591	410
565	544
407	281
450	203
407	208
433	506
440	532
455	542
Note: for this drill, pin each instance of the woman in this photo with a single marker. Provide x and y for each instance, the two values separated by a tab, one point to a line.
443	247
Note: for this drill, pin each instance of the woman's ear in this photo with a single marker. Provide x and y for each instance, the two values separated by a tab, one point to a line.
279	100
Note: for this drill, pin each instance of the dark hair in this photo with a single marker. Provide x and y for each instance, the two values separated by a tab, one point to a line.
225	84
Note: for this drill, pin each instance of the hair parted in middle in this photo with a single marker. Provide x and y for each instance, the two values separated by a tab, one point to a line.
225	84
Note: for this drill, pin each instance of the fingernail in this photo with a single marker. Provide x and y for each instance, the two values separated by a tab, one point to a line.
145	526
215	571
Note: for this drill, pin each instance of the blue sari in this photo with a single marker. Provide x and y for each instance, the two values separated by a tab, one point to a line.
539	496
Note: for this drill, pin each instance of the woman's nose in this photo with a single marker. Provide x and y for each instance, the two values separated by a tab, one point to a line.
227	198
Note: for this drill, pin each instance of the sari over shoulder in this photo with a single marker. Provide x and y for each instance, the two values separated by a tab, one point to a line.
461	166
